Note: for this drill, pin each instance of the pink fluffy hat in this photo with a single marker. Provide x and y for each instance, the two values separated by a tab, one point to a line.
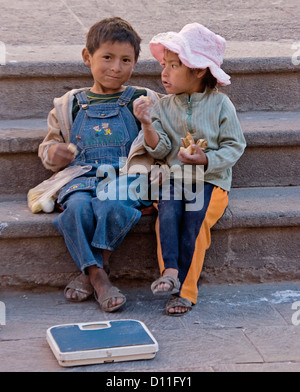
196	46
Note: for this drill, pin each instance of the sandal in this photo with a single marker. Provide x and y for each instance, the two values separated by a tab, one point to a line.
173	282
178	301
85	289
104	299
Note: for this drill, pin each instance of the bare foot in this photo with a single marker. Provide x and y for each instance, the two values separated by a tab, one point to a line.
178	306
80	289
166	286
178	309
102	286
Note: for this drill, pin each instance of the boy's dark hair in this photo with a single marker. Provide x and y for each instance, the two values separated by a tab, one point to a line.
112	29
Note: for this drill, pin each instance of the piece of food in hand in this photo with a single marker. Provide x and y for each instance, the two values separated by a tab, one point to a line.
188	141
146	99
73	148
188	150
202	143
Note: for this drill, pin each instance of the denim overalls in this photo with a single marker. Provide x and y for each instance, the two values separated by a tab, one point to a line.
103	134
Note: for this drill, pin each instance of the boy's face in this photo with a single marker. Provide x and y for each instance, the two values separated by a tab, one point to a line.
111	66
178	78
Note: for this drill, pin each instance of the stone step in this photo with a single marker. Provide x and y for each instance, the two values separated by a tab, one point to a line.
264	76
256	240
272	157
21	166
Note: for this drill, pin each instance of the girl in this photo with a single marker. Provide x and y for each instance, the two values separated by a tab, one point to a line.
191	61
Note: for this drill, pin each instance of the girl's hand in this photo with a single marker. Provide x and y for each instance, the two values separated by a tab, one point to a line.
141	110
198	158
59	155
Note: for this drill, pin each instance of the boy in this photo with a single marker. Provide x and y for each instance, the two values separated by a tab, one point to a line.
99	121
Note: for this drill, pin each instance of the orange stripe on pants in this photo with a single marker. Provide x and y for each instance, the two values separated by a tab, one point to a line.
216	207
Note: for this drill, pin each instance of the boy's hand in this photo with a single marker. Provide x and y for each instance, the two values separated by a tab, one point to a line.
141	110
60	155
198	158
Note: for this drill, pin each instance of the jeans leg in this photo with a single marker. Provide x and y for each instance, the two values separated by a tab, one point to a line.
77	225
190	228
170	213
115	218
117	214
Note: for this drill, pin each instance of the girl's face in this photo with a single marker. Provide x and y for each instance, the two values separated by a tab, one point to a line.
178	78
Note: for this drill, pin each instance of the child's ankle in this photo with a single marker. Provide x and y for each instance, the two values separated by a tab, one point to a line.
171	272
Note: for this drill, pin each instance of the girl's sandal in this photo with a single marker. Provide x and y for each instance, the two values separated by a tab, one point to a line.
172	282
181	302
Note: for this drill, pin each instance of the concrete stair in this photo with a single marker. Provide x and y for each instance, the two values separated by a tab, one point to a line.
258	84
268	135
256	240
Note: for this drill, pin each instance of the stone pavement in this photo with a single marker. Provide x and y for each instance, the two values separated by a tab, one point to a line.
63	21
232	328
56	30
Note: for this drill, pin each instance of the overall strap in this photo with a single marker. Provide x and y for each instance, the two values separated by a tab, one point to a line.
82	98
125	98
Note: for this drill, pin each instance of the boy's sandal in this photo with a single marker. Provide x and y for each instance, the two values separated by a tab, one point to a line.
104	299
172	282
178	301
85	290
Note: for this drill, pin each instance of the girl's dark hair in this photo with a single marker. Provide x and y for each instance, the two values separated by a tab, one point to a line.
209	80
112	29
